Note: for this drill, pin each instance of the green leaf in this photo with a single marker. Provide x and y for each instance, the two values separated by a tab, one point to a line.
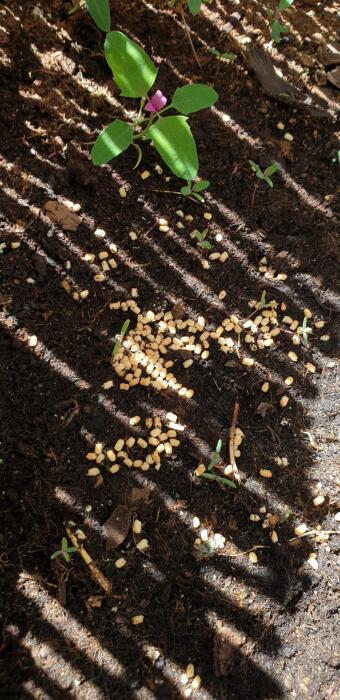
271	169
219	447
66	556
100	13
201	185
254	166
194	6
214	52
112	141
176	145
120	337
284	4
229	55
64	544
221	479
132	69
55	554
205	244
198	197
268	181
185	190
277	30
191	98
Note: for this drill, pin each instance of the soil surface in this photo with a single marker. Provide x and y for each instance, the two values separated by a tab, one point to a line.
259	626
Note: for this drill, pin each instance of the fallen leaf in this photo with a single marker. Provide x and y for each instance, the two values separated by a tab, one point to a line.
94	601
138	495
60	214
262	408
117	526
226	643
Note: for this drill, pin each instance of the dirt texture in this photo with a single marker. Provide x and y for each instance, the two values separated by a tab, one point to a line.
252	630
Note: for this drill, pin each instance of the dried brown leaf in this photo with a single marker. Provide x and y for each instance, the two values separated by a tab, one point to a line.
60	214
117	527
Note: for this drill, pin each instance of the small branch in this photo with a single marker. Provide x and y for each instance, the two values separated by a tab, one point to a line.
189	37
309	533
231	442
97	575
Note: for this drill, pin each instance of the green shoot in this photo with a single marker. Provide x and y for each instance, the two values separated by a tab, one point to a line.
215	456
193	191
264	174
201	239
64	552
120	337
277	28
211	475
228	56
305	331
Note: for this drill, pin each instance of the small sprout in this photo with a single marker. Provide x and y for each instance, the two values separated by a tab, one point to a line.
201	239
193	190
208	473
265	174
65	551
305	331
120	337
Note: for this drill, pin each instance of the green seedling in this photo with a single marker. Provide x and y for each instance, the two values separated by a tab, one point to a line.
277	29
192	190
264	174
120	337
211	475
201	239
99	10
64	552
305	331
226	56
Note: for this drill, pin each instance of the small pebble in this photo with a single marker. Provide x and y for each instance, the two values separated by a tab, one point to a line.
313	562
190	670
122	192
252	556
266	473
300	529
108	384
137	620
142	545
93	471
265	387
145	174
137	527
310	367
207	216
196	683
318	500
280	126
119	563
222	295
289	381
337	516
133	235
274	538
284	401
184	678
288	137
293	356
204	535
32	341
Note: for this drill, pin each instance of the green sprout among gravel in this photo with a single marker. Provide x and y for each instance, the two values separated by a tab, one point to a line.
120	337
264	174
212	476
201	239
221	57
64	552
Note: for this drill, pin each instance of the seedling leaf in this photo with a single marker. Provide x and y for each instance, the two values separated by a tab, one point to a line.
200	186
132	69
100	13
191	98
120	337
194	6
112	141
271	169
176	145
284	4
185	190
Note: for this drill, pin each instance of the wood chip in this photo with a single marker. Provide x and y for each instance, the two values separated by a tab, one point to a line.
117	526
